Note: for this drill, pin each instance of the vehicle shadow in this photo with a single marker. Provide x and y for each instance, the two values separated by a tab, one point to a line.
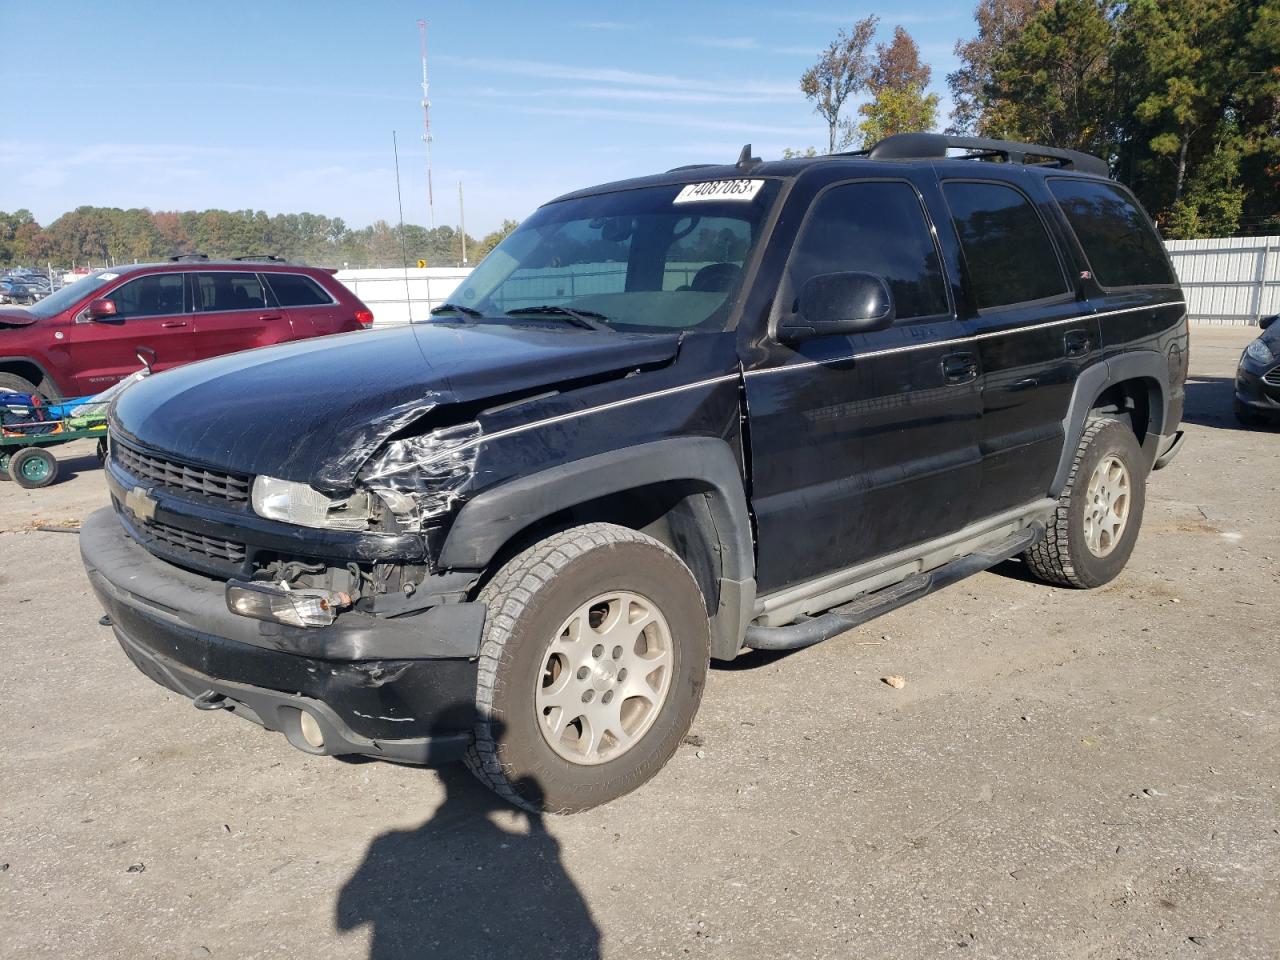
1209	404
461	886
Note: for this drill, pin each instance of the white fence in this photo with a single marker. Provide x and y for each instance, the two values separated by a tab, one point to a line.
1231	281
401	296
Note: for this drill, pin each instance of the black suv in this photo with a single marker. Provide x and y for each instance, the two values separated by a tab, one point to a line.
724	407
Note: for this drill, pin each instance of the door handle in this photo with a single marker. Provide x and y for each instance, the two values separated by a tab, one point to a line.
173	324
959	367
268	316
1076	343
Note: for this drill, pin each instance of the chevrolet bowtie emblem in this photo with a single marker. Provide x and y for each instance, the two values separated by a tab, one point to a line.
140	504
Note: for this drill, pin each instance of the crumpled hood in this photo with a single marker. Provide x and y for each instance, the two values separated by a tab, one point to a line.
16	317
315	410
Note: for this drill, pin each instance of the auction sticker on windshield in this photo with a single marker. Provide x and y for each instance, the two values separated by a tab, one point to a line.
719	190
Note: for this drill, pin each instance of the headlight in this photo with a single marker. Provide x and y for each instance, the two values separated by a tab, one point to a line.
298	503
1259	352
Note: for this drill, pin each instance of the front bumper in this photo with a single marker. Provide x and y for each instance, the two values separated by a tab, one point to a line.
400	689
1255	393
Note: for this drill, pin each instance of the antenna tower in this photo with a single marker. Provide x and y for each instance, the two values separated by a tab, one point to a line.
426	120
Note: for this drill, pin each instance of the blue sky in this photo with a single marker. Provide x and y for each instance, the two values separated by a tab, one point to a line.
289	106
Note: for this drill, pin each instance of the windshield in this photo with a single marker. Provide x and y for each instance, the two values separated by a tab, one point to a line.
646	260
59	300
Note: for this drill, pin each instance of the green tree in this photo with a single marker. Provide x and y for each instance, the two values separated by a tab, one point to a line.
842	71
999	22
1053	83
491	240
897	83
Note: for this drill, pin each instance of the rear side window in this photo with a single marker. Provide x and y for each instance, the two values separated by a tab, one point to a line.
153	296
1009	255
876	228
295	290
1122	249
228	291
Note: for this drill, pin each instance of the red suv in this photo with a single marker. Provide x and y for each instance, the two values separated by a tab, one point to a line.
86	336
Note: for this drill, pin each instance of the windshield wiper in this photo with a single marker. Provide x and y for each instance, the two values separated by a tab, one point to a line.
457	308
583	318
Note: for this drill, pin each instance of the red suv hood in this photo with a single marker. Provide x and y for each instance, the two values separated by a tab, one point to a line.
16	317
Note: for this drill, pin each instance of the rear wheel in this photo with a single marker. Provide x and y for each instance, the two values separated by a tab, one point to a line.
592	668
5	456
11	381
1096	525
33	467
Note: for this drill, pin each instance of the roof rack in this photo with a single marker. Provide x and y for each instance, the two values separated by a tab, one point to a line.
924	146
262	257
178	258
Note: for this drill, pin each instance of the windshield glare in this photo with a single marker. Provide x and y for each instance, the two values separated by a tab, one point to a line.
636	258
59	300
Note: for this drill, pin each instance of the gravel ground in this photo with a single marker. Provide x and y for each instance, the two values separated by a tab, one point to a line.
1065	774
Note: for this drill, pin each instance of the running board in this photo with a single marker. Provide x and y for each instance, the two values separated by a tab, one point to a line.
806	633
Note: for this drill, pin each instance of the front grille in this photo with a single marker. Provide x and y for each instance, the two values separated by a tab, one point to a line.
1272	377
213	547
231	487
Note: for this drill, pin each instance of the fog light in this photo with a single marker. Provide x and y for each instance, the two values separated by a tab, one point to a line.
310	728
279	603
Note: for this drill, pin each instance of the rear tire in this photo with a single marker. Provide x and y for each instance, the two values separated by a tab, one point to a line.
557	632
1099	513
33	467
11	381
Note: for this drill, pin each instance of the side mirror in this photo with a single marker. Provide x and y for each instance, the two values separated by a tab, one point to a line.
102	309
1265	322
834	304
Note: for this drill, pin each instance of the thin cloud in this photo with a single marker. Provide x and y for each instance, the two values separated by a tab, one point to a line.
633	78
602	25
745	129
749	45
633	94
889	17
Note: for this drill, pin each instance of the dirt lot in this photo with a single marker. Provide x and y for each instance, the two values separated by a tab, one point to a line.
1065	774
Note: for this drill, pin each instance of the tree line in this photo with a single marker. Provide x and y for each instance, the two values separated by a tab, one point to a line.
104	236
1181	97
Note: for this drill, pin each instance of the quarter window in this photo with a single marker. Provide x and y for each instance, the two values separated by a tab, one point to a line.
1009	255
155	296
1118	242
296	290
228	291
876	228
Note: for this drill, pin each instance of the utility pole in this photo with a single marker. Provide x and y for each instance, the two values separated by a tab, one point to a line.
426	120
462	221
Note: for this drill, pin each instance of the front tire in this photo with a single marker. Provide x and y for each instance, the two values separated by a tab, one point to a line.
1248	417
1099	514
593	663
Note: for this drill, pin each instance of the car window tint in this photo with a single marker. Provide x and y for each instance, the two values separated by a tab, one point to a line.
228	291
152	296
1009	255
706	253
296	290
1118	242
876	228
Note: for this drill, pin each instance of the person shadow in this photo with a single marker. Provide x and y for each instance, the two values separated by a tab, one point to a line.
462	886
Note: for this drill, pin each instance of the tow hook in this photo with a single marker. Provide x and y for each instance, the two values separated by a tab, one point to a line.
210	700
